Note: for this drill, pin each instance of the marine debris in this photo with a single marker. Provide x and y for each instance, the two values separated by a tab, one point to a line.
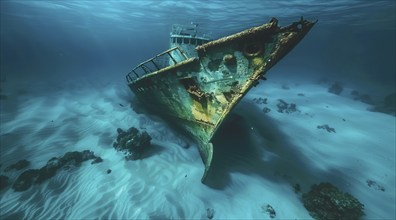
38	176
197	82
132	142
326	201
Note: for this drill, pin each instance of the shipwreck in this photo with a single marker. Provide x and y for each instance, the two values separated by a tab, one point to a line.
197	82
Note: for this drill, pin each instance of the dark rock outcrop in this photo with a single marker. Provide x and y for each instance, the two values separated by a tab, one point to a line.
97	160
388	105
37	176
266	109
297	188
269	210
132	142
327	128
209	213
365	98
284	107
336	88
325	201
375	185
17	166
4	182
26	180
260	100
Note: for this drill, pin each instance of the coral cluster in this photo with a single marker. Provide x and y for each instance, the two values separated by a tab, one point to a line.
326	127
260	100
4	182
375	185
269	210
37	176
284	107
132	142
325	201
17	166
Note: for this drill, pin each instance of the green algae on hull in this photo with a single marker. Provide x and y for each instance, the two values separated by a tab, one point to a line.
203	80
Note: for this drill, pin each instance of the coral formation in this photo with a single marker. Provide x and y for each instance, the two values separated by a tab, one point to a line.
375	185
269	210
266	109
325	201
327	128
132	142
260	101
4	182
284	107
18	165
209	213
37	176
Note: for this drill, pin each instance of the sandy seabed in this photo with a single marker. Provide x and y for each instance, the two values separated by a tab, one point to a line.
258	159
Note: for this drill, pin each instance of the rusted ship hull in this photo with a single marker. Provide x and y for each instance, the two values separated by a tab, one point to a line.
199	92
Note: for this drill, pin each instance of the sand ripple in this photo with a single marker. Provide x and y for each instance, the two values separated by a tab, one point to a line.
254	167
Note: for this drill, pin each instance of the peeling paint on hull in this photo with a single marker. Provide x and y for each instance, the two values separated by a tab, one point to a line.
199	92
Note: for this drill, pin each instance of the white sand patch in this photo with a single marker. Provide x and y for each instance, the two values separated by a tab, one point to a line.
259	167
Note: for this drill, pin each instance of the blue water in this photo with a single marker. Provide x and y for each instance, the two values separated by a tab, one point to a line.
68	60
56	40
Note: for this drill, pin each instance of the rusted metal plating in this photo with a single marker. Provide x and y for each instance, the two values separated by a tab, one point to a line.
198	93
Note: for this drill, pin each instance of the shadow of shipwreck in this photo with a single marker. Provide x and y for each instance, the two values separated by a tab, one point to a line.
251	143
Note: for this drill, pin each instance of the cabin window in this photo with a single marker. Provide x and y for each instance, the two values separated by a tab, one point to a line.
173	40
179	40
199	41
193	41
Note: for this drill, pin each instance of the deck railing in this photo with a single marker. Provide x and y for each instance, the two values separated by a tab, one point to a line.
162	60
